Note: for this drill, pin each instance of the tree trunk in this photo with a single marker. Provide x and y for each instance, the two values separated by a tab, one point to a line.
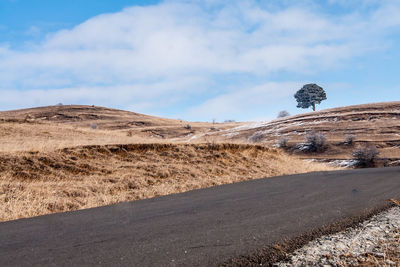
313	106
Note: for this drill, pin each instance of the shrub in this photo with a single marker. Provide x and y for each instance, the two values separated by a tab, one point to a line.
257	137
212	145
283	142
365	156
349	139
93	126
283	114
188	127
315	142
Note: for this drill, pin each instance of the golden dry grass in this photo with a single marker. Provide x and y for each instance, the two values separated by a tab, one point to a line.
56	127
37	183
18	137
54	161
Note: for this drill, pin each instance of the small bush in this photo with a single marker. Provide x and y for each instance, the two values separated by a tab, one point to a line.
365	156
283	114
212	146
214	129
93	126
188	127
283	142
349	139
315	142
257	137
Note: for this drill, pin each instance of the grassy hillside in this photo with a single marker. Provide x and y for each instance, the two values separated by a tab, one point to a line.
63	158
372	124
55	127
36	183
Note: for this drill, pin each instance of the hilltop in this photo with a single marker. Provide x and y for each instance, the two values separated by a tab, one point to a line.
52	127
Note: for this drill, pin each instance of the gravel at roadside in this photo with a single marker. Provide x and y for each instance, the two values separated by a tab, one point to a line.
374	242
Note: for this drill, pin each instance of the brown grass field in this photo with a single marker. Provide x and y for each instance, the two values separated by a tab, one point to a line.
55	127
35	183
63	158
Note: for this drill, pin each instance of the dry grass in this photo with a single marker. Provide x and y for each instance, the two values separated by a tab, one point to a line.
36	183
16	137
56	127
54	161
373	124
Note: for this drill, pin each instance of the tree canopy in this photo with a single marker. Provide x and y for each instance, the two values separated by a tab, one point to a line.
310	95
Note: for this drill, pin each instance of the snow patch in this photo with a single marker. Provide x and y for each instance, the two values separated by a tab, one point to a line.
344	163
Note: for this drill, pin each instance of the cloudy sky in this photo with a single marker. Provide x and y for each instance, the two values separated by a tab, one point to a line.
198	60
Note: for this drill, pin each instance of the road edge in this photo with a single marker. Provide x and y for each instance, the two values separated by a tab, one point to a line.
280	251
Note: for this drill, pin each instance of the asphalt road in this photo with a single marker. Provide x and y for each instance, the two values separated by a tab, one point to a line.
196	228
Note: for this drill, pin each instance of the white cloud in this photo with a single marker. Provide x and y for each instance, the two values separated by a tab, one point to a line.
144	53
140	97
235	105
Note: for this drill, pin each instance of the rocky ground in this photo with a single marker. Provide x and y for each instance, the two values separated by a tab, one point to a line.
375	242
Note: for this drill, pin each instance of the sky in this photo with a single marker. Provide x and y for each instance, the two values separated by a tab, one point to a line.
198	60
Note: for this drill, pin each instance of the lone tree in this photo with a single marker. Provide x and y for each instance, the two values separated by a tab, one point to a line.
310	95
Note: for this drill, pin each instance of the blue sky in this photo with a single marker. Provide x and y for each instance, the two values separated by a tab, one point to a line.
198	60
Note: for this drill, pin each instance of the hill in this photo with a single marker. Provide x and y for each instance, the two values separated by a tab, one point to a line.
54	127
376	124
37	183
63	158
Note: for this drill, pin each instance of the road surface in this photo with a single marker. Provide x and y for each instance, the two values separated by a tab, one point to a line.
196	228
